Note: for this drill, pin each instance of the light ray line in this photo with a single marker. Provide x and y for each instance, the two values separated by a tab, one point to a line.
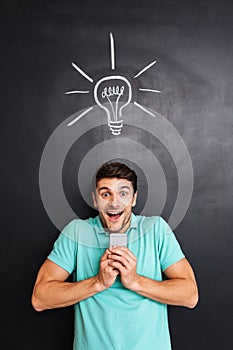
79	116
82	72
77	92
150	90
112	51
144	69
144	109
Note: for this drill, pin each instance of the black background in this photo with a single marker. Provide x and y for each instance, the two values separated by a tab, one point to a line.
192	42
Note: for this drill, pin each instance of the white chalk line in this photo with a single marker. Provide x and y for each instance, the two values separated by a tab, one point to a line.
150	90
144	69
80	116
82	72
144	109
112	51
77	92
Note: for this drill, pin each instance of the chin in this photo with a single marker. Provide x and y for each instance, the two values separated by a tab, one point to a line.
114	228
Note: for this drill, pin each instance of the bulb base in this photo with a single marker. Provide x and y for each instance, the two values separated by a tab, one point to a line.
115	126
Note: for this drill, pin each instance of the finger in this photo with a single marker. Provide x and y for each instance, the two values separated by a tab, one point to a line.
123	258
121	250
117	265
105	255
124	261
112	270
105	263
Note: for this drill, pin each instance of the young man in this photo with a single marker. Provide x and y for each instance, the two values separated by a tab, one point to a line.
119	293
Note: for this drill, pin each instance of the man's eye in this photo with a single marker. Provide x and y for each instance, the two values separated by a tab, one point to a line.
123	194
105	194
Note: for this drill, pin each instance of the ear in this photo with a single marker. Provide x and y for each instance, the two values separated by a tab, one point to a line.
134	199
94	199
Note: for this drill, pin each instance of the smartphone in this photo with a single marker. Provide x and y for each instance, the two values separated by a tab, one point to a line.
118	239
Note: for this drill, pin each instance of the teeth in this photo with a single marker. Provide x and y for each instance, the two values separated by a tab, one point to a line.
114	212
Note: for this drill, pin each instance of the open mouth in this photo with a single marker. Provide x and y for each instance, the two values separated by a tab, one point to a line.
114	215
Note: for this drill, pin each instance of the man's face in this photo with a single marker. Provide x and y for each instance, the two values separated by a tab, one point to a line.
114	199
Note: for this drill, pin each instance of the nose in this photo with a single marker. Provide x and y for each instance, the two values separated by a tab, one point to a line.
114	200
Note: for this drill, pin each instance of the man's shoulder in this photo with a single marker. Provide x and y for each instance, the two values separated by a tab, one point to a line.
82	222
155	223
145	220
146	227
148	224
73	229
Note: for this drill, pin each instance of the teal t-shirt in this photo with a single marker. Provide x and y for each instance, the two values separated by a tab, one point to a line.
117	318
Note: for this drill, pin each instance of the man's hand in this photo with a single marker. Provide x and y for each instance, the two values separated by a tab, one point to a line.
179	289
107	273
122	259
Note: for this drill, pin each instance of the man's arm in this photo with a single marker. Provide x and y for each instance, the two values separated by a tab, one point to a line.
52	291
180	288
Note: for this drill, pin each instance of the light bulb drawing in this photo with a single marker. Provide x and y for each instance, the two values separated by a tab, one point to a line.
112	93
119	90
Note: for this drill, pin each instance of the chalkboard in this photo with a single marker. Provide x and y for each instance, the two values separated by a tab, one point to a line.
175	59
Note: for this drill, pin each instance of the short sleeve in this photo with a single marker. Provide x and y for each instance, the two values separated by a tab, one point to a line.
64	251
170	251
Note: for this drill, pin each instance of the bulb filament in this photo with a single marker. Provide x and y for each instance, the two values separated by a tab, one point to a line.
113	91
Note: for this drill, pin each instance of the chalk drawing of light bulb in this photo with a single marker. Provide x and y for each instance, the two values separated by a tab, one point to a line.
108	93
112	93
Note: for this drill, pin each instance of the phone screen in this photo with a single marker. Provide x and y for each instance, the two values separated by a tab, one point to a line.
118	239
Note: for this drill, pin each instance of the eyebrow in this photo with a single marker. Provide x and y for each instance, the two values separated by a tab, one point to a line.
103	188
107	188
127	187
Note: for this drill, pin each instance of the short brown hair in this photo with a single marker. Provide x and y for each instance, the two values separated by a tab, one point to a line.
118	170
